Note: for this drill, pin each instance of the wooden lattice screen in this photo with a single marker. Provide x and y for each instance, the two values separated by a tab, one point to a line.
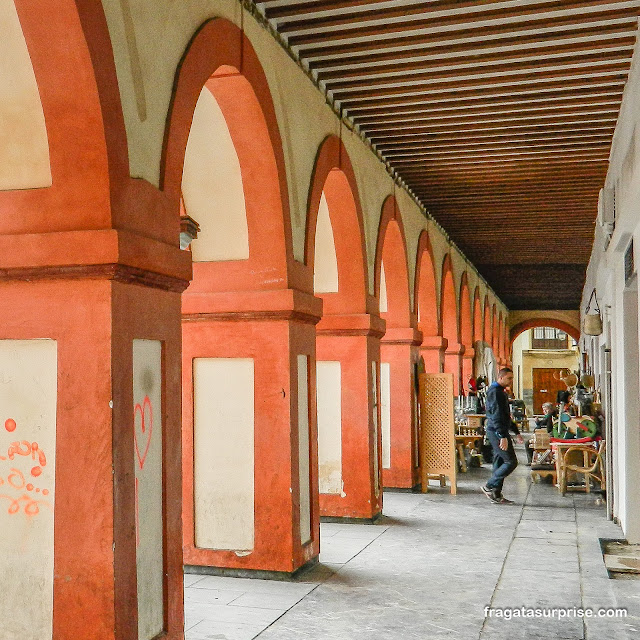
437	429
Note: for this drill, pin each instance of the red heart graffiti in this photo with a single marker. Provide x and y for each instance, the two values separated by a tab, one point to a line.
146	414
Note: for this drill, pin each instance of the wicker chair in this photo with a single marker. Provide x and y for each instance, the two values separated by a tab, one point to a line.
594	467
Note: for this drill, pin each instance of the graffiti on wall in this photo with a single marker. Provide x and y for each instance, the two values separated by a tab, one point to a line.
28	435
22	483
147	462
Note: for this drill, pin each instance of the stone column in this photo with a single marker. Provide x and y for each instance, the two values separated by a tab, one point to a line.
399	352
348	382
90	433
249	431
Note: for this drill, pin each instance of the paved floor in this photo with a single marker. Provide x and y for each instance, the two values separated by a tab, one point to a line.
428	570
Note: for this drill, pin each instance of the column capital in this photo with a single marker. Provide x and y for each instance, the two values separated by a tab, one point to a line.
242	306
434	343
356	324
398	335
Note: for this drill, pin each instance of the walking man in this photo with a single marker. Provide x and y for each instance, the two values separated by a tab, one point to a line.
498	425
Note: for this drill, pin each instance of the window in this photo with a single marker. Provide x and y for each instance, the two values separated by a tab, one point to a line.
549	338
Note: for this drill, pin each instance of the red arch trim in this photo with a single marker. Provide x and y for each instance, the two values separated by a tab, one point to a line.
333	168
220	44
426	300
392	243
515	331
449	317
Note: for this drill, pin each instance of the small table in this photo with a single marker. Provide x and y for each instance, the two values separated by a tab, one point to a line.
561	449
466	442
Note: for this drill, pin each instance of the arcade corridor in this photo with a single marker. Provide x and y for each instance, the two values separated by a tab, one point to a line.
428	569
259	262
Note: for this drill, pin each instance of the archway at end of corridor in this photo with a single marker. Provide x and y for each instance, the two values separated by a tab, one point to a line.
543	351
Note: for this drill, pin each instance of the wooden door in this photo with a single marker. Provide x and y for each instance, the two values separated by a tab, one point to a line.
546	384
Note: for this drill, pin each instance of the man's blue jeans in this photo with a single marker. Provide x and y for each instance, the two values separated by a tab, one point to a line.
504	462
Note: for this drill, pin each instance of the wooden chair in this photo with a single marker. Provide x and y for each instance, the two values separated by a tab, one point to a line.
592	467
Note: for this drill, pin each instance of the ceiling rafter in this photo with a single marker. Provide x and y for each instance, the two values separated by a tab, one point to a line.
498	115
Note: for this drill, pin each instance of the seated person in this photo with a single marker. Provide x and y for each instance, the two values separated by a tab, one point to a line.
544	422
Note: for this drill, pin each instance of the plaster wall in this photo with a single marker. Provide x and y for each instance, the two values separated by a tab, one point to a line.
605	274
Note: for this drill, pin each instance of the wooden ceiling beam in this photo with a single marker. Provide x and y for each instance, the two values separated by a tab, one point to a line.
411	71
273	11
491	124
325	29
449	94
446	47
507	148
552	97
477	142
319	54
610	107
445	79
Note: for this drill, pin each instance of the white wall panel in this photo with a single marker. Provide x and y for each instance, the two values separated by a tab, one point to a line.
385	399
303	448
224	453
329	391
147	460
28	392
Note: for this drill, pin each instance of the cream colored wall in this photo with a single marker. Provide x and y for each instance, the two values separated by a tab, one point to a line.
329	398
28	396
212	186
147	463
146	63
224	466
325	260
24	146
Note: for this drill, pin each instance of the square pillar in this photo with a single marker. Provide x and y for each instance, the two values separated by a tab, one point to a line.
467	367
90	364
432	350
398	354
349	456
249	431
453	364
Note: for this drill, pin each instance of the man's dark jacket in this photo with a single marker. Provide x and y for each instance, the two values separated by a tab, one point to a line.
498	414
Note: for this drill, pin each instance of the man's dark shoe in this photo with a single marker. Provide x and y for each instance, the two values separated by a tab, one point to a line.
503	500
491	494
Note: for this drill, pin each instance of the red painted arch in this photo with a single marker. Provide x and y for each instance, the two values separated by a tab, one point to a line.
221	58
392	251
466	318
477	316
425	296
333	174
448	304
487	327
516	330
83	117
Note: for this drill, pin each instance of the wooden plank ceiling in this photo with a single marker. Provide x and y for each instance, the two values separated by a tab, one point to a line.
497	115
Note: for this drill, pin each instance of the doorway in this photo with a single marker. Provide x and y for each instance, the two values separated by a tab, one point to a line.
546	384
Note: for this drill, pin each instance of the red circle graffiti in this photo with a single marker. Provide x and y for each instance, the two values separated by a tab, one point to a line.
36	471
10	425
29	487
45	492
